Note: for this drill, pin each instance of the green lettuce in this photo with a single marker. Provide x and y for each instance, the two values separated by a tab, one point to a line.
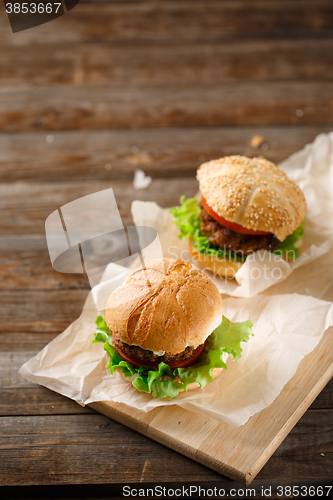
103	333
186	218
162	382
287	246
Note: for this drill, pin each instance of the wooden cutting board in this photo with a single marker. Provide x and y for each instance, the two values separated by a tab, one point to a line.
236	452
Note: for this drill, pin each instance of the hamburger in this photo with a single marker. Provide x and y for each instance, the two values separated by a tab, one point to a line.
163	329
247	204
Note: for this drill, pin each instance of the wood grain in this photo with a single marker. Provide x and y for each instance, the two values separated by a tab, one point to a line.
37	311
238	452
10	365
102	63
68	107
162	86
25	206
27	342
175	22
161	152
69	449
25	264
37	400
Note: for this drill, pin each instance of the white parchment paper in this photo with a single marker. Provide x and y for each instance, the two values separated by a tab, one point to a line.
289	319
312	170
286	328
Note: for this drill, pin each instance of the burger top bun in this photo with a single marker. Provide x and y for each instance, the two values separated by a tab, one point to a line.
166	306
254	193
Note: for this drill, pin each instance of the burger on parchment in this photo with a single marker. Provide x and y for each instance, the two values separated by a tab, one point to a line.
246	205
164	330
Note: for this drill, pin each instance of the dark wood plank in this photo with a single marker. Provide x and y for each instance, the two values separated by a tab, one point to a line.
306	452
325	398
10	365
162	152
93	449
11	380
28	343
87	448
102	63
37	400
80	107
25	206
179	21
25	264
38	311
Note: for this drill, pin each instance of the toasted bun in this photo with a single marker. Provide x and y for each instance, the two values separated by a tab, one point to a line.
221	267
166	306
254	193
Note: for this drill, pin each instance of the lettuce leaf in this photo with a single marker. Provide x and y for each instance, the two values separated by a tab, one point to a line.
162	382
186	218
103	333
287	246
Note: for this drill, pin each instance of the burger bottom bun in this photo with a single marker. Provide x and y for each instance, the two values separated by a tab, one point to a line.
222	267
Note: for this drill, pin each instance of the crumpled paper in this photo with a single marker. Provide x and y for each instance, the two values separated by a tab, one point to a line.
286	328
312	169
289	321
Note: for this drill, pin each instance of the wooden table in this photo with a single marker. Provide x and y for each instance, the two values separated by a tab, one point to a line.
107	88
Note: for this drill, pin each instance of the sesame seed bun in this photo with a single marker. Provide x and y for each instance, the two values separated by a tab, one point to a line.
166	306
254	193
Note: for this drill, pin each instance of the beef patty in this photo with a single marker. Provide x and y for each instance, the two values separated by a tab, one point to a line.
221	237
150	357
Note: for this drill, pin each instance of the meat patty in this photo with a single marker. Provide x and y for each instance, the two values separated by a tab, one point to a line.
221	237
150	357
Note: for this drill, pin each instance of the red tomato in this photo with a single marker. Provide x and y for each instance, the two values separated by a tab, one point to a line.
230	225
136	362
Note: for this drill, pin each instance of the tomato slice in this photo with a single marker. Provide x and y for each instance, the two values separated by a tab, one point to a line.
136	362
230	225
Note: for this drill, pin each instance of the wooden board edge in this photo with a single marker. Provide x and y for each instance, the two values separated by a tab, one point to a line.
122	414
145	425
289	425
194	453
115	412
